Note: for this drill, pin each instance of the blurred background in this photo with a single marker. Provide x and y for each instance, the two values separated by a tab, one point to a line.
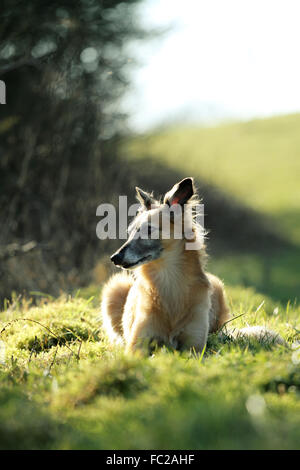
105	95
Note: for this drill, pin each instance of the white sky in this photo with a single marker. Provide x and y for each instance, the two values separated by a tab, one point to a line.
222	59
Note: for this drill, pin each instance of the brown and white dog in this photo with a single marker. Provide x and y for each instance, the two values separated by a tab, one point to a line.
169	297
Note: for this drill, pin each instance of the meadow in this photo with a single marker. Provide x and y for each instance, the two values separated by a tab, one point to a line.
255	163
64	387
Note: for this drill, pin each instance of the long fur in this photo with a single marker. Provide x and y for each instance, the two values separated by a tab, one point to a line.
171	300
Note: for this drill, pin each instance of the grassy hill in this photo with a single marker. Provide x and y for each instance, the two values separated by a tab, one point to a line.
256	163
64	387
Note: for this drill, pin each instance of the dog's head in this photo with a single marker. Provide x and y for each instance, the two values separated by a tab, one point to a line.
157	226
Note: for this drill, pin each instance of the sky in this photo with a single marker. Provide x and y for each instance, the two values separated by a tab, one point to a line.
220	60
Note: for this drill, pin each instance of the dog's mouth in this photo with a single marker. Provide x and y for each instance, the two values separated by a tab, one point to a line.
120	262
143	260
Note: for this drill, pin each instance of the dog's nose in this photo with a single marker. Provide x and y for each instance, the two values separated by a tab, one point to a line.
117	259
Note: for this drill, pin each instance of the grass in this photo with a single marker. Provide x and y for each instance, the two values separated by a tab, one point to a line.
75	391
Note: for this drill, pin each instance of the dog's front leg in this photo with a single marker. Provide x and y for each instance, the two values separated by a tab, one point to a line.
194	335
141	335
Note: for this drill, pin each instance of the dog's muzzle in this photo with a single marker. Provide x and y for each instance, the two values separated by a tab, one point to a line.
117	258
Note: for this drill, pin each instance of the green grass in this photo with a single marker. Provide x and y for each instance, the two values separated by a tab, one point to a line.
277	276
64	387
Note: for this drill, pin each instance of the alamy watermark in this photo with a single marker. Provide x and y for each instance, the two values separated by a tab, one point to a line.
178	222
2	92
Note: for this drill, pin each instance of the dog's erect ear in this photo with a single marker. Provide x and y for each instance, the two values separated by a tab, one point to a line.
180	193
144	198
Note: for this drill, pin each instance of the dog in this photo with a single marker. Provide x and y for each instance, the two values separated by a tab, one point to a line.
164	295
